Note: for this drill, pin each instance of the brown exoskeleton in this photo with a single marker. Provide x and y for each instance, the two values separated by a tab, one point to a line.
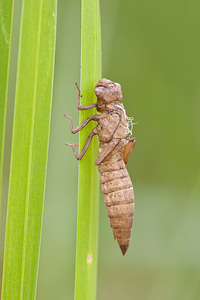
115	147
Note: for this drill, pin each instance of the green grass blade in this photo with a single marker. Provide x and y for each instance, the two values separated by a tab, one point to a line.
6	8
87	233
29	149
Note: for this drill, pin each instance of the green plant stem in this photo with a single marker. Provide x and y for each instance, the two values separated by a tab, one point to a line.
88	205
6	9
29	149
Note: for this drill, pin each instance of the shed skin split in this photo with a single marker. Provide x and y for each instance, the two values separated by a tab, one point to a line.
114	150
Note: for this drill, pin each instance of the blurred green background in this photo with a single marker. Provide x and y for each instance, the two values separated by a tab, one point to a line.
152	49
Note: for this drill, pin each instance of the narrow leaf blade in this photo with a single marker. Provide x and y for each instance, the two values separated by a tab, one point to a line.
88	206
6	9
29	149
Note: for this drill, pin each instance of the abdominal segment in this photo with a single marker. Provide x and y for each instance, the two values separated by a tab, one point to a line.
119	198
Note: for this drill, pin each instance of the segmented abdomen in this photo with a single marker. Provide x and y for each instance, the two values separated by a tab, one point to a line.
118	193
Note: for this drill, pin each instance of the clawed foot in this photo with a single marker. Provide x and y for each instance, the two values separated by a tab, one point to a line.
77	86
71	145
79	92
67	116
74	150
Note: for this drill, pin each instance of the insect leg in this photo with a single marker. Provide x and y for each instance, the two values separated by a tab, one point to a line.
83	124
85	107
85	147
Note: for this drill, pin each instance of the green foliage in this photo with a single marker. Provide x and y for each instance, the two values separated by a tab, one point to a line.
87	235
6	7
29	149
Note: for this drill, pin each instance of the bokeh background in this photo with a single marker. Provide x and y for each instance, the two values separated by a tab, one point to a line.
152	48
